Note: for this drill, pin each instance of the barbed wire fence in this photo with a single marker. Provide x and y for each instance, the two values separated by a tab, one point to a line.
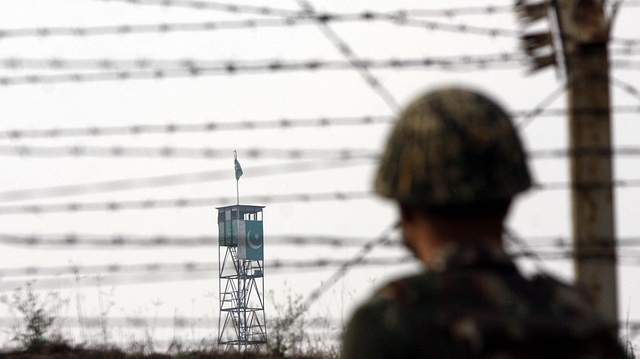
111	69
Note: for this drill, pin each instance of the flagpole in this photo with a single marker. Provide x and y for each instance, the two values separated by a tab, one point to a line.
235	158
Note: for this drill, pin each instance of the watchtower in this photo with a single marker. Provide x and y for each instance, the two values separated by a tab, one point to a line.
242	322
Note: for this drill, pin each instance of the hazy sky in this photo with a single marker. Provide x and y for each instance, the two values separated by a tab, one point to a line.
241	74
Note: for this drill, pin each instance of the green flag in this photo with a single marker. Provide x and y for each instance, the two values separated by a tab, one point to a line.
238	168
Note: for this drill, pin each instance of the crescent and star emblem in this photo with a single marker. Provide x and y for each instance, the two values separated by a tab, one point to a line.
255	237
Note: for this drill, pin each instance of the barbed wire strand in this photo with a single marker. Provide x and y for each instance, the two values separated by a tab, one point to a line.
624	42
243	125
512	236
138	321
170	240
117	151
343	154
539	108
625	51
164	28
165	240
398	19
170	180
345	266
236	68
154	204
187	267
245	9
89	271
159	64
206	127
154	272
627	87
240	9
348	53
207	5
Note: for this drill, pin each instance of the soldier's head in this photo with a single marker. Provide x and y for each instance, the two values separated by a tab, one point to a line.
453	153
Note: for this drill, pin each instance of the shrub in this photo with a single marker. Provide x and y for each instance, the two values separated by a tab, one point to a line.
38	316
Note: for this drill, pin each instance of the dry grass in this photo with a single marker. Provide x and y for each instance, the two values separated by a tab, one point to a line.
65	351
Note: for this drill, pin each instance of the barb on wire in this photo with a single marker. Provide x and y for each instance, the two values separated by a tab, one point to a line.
553	186
455	28
625	51
539	108
121	240
353	58
233	68
150	204
181	152
169	180
624	42
459	11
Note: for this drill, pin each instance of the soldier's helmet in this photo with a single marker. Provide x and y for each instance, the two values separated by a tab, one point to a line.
452	147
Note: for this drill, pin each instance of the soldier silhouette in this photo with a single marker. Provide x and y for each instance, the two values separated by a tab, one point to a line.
453	163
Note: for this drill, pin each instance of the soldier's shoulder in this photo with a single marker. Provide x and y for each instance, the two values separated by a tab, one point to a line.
386	305
418	287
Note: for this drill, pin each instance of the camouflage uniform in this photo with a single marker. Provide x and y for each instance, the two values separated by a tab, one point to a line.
474	303
457	150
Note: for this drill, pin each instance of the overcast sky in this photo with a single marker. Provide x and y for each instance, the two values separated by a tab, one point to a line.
219	69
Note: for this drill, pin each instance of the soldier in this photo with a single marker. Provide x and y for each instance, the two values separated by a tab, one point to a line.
454	163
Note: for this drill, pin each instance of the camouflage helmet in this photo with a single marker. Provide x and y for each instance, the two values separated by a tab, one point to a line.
452	147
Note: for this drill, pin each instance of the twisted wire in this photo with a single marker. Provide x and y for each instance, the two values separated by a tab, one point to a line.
398	18
235	68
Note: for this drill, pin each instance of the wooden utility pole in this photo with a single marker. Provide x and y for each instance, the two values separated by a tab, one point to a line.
584	32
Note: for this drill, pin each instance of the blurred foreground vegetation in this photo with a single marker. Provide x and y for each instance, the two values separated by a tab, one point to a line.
36	336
